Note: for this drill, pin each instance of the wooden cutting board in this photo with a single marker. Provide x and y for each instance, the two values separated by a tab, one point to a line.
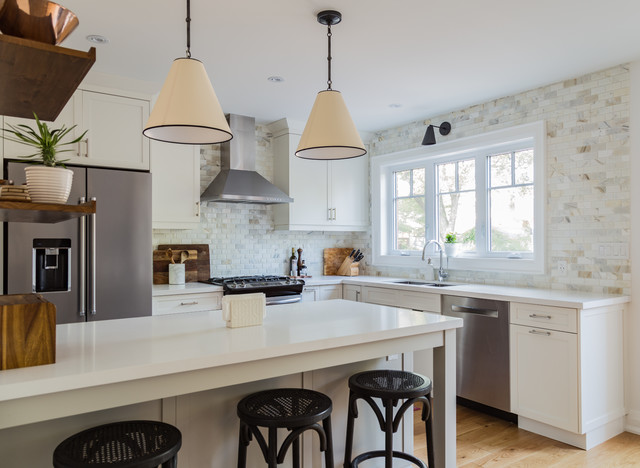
333	258
27	331
195	270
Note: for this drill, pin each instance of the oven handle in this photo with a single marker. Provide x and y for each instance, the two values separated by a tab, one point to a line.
283	300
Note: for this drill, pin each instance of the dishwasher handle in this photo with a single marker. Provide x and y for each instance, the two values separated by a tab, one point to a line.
474	310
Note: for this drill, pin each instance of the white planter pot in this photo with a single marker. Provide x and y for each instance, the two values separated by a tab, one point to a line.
450	249
48	184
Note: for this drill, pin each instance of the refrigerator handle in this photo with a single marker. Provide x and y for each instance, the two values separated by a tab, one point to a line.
92	304
82	267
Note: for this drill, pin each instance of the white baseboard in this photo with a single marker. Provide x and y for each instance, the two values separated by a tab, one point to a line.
632	423
583	441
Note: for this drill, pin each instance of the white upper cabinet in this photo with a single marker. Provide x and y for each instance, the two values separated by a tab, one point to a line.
328	195
115	126
175	185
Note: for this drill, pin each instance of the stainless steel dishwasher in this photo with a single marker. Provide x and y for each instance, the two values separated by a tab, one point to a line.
482	350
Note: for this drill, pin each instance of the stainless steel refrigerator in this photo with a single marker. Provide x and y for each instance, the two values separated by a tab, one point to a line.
96	267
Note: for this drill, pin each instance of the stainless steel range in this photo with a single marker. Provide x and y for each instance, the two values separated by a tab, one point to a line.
278	289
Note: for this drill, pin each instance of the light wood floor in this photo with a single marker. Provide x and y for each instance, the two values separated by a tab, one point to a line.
488	442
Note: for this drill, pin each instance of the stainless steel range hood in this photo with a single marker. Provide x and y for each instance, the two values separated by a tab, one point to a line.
238	181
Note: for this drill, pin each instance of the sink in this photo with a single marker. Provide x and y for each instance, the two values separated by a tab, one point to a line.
423	283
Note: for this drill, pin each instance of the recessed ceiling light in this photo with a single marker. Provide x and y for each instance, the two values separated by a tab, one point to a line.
395	105
97	39
275	79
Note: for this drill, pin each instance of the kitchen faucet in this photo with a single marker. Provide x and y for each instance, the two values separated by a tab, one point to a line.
442	273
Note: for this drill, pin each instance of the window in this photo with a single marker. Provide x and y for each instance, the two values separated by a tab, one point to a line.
487	190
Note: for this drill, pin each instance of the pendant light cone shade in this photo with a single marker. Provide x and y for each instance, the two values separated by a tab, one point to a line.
330	132
187	110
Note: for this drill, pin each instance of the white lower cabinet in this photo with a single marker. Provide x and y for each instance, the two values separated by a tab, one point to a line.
322	293
566	370
421	301
544	372
352	292
180	303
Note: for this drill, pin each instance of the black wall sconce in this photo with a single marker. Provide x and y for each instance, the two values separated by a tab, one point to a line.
430	137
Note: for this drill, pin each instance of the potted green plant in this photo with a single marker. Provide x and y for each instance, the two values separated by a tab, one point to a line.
48	179
451	244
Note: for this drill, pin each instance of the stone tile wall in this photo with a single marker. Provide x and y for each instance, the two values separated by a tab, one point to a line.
587	168
241	236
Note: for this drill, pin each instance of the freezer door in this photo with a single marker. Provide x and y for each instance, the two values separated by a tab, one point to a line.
19	250
123	248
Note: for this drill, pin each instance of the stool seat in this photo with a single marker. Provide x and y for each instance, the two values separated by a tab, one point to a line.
126	444
284	407
295	409
390	386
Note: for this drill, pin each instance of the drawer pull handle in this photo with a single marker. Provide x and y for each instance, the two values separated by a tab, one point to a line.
536	332
189	303
549	317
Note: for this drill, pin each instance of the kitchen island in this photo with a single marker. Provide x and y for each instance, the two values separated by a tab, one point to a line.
189	370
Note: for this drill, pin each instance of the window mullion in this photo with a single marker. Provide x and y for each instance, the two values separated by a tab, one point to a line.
482	204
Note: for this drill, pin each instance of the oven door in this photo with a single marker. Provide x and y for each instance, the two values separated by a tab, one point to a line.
288	299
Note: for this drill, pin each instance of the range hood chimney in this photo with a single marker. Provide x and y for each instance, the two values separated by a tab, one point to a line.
238	181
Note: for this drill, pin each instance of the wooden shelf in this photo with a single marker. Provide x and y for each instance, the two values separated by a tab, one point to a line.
38	77
27	212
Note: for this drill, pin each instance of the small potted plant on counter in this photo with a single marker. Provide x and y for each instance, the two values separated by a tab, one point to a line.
451	244
48	180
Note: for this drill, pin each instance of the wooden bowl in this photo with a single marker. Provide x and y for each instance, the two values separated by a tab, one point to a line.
38	20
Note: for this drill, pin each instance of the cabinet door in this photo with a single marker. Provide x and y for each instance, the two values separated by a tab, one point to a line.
68	117
115	125
544	376
333	291
309	190
351	292
309	294
175	171
380	296
349	193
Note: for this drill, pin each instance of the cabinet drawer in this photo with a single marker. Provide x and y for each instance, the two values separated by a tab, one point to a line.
380	296
553	318
178	304
419	301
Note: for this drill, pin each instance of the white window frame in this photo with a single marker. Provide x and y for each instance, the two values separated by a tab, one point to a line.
382	168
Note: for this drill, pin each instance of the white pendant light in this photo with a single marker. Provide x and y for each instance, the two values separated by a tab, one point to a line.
187	110
330	132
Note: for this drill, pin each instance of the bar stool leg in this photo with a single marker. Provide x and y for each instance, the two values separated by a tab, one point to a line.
328	454
429	434
173	463
388	434
296	453
350	422
242	447
272	453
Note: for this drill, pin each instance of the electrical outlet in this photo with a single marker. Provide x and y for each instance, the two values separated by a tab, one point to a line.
562	268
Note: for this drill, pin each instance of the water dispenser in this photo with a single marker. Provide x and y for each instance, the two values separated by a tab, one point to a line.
51	265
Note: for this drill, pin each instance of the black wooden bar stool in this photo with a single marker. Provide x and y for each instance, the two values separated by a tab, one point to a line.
390	386
126	444
295	409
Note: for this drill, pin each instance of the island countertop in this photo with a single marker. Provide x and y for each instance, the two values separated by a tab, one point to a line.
100	354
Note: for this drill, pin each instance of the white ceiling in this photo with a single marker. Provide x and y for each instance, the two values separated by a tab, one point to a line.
427	56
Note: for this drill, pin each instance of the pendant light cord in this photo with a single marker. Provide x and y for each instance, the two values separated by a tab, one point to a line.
188	28
329	56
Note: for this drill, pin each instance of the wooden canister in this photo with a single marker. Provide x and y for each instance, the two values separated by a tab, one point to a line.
27	331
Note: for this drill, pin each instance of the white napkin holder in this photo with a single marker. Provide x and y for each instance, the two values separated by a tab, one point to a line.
244	310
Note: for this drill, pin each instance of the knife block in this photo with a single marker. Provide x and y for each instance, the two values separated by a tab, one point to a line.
27	331
348	268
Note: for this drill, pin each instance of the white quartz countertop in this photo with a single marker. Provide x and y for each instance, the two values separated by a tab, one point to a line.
105	352
187	288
